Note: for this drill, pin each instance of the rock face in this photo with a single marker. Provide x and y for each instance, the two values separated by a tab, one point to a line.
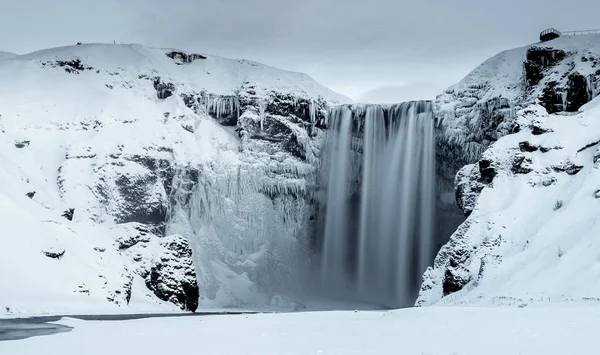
165	264
507	131
196	151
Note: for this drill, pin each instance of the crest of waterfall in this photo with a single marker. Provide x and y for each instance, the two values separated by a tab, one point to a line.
379	197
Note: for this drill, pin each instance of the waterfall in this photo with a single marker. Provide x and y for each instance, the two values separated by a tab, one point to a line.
379	197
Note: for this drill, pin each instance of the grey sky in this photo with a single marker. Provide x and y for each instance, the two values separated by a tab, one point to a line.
366	49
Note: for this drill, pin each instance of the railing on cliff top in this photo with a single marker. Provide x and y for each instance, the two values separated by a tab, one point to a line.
552	33
581	32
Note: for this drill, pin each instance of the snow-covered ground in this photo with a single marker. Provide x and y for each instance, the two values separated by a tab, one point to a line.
420	331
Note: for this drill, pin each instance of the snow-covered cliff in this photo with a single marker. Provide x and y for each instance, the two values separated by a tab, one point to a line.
180	177
523	130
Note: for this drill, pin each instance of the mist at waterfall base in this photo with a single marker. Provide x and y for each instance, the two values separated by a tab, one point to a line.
377	203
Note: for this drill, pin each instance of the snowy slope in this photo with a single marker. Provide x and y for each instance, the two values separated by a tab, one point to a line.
531	196
120	134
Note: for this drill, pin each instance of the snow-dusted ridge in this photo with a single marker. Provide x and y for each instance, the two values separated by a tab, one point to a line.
136	139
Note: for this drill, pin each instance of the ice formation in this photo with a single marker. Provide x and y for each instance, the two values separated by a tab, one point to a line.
379	201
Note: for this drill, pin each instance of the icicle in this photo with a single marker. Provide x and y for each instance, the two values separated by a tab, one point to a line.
591	89
564	100
261	111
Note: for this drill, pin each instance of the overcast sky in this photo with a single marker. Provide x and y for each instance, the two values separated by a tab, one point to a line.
370	50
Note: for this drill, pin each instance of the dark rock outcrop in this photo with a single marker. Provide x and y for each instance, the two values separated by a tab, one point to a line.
540	59
68	214
54	253
487	171
22	144
521	164
172	276
527	147
163	90
184	58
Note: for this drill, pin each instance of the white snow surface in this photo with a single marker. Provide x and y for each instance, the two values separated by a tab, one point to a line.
420	331
64	135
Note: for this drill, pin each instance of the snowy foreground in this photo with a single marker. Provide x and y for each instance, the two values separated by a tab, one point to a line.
437	330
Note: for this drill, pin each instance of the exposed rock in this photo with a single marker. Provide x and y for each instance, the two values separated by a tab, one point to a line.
165	263
74	66
22	144
568	167
172	276
527	147
521	164
54	252
68	214
487	171
578	92
184	58
540	59
469	185
30	194
537	130
100	249
163	90
129	240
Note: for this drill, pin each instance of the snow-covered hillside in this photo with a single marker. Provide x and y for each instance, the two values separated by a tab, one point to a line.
153	150
529	119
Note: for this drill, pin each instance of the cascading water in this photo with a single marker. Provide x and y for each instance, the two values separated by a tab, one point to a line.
379	199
